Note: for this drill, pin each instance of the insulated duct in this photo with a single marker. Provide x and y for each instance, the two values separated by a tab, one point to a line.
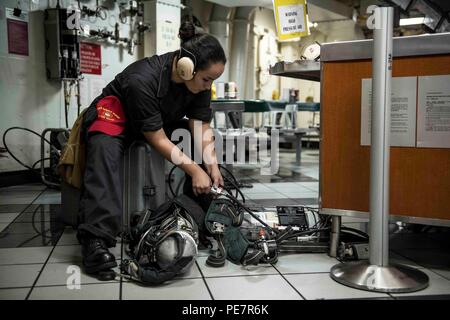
219	26
239	48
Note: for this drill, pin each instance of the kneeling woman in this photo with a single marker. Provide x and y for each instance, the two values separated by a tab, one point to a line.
145	101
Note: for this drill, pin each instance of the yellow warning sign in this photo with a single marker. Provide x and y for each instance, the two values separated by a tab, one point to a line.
291	18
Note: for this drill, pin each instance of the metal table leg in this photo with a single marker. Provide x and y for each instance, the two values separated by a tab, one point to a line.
298	148
335	235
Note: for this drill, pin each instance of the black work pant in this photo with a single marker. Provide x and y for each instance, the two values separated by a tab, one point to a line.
101	204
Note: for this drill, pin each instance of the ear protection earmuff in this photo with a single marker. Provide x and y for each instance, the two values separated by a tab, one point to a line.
186	64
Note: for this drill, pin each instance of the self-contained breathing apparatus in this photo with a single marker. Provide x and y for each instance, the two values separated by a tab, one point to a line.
163	243
223	219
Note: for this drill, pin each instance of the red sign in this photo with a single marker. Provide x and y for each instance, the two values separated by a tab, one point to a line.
91	58
17	37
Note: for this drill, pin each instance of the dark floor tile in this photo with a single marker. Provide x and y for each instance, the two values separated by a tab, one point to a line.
43	207
267	179
443	237
37	233
28	217
19	193
236	169
431	258
298	178
412	240
28	240
38	213
11	208
30	227
243	182
26	187
283	177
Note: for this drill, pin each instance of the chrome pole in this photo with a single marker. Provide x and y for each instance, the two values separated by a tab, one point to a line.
377	274
380	137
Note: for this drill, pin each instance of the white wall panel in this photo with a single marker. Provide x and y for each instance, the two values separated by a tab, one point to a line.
27	98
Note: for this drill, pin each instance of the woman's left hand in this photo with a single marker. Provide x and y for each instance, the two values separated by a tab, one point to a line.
216	177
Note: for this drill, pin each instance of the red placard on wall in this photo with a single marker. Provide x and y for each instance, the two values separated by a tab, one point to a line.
91	58
17	37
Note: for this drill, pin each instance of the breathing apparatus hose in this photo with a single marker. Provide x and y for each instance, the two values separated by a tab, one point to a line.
279	235
231	180
243	206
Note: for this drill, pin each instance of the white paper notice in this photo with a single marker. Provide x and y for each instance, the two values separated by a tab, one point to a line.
433	121
167	36
403	111
291	19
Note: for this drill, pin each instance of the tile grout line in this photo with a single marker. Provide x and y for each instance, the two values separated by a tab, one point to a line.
204	280
19	264
8	288
289	283
424	267
261	274
63	285
45	263
403	256
440	275
390	295
40	272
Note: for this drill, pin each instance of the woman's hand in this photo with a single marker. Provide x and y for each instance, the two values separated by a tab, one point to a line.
201	183
216	177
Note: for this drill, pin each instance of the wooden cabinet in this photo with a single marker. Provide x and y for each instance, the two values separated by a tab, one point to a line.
419	177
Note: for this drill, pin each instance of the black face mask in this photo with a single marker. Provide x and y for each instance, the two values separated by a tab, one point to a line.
163	243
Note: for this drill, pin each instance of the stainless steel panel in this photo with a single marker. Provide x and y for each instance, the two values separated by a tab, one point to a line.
428	44
300	69
392	218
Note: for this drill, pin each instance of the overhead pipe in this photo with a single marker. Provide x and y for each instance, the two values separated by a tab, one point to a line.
219	26
240	47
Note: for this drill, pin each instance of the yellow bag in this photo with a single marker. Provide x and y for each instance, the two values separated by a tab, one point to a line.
73	157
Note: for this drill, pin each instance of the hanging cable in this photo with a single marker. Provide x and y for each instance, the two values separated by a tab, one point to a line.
13	156
67	96
356	232
78	95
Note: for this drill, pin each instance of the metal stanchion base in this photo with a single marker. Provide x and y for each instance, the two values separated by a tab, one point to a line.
393	278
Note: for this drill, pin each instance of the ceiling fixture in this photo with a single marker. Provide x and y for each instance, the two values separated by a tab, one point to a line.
411	21
312	24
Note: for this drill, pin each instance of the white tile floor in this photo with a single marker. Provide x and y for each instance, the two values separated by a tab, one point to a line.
438	285
103	291
42	273
315	286
260	287
38	271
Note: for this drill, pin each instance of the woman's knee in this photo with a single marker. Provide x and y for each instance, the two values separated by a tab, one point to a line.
104	143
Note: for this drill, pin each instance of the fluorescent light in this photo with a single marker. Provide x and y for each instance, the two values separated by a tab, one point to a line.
411	21
312	24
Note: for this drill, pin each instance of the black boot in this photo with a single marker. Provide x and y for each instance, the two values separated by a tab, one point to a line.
96	256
